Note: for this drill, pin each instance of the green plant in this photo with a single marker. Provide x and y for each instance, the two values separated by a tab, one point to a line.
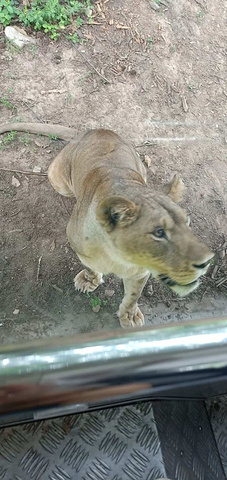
25	139
51	16
32	49
95	302
73	37
12	47
5	101
8	139
52	137
17	119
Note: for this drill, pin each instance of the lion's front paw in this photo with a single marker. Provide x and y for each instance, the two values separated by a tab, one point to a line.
87	281
131	317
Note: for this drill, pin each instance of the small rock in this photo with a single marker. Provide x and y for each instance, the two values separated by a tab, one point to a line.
96	309
37	169
147	160
16	311
109	293
18	36
15	182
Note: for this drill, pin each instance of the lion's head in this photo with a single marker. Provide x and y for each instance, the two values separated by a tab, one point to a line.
153	232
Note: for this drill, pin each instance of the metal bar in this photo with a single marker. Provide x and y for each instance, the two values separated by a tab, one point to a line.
64	375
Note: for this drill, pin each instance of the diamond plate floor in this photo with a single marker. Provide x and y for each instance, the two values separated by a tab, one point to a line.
217	411
187	442
138	442
113	444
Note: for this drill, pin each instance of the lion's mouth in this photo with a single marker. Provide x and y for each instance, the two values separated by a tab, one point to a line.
171	283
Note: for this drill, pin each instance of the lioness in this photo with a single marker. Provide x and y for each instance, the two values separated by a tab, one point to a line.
120	225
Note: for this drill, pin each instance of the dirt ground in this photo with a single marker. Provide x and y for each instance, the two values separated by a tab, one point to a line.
167	75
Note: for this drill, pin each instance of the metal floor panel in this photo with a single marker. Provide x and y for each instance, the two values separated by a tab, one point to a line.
112	444
187	442
146	441
217	411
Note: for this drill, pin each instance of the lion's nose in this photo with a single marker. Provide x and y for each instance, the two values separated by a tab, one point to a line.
202	265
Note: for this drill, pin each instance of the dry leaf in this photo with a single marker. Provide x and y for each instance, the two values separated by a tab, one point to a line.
15	182
147	160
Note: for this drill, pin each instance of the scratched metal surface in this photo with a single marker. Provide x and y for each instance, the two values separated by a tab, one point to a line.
187	442
112	444
217	411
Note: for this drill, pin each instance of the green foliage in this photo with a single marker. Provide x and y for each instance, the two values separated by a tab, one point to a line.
95	302
74	38
25	139
8	139
51	16
52	137
5	101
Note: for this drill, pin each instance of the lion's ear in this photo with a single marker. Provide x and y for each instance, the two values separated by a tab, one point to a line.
175	189
116	211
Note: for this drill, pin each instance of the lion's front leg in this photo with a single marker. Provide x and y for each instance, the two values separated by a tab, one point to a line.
129	313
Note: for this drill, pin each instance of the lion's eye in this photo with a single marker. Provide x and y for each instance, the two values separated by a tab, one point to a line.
159	232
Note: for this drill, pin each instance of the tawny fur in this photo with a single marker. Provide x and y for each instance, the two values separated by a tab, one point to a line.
113	224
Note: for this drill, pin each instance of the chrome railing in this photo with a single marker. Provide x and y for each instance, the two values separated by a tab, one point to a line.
61	375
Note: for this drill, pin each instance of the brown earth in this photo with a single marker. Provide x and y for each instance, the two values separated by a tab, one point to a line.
166	73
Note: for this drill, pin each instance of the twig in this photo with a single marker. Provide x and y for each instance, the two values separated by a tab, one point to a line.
92	66
38	268
145	144
23	171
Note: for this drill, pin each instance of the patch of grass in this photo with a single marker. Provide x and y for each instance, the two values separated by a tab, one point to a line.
9	138
5	101
95	302
25	139
33	49
73	37
50	16
11	46
52	137
17	119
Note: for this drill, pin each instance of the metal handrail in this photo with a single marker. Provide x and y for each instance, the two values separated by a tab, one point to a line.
60	375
